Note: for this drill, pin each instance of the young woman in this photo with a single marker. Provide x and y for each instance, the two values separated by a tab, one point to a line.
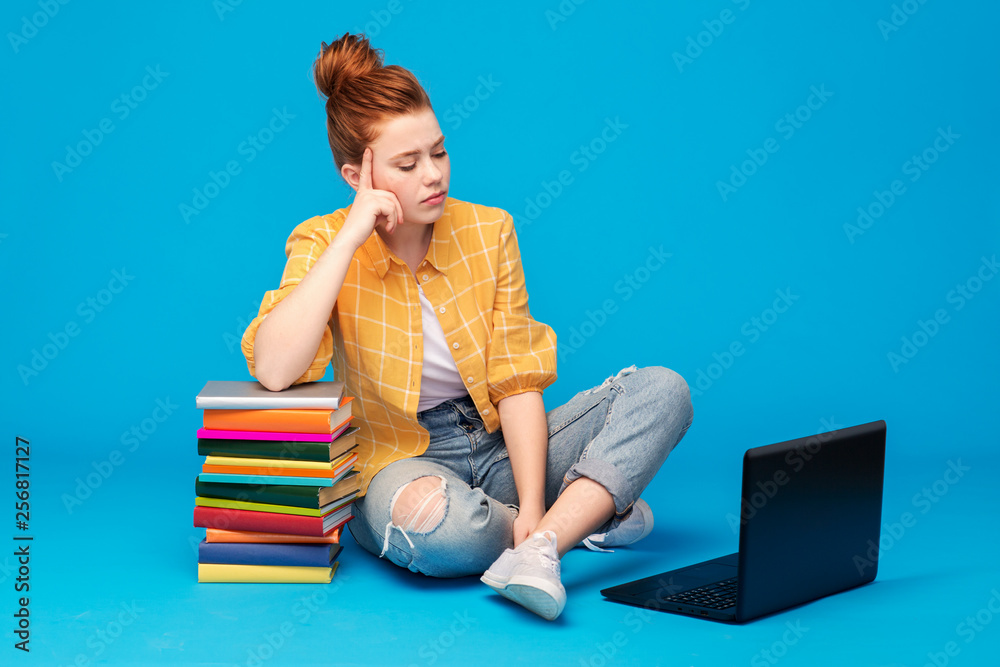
419	300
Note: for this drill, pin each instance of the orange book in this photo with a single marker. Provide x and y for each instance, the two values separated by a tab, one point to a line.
221	535
291	421
332	472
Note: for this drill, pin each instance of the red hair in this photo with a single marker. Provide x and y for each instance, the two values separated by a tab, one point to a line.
361	93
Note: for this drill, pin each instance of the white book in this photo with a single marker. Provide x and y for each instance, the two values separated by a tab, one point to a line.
252	395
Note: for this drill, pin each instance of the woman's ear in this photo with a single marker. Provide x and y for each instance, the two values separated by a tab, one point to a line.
351	174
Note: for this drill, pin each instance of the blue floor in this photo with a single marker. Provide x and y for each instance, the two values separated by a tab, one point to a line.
114	582
792	204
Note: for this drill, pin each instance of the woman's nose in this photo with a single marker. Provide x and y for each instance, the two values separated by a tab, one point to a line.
432	173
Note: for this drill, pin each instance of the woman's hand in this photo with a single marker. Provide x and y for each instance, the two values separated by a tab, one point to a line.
371	208
527	519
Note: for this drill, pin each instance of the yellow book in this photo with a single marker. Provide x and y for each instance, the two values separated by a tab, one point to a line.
274	463
226	503
276	574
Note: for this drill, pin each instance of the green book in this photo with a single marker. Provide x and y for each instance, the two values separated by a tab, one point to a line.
310	497
292	450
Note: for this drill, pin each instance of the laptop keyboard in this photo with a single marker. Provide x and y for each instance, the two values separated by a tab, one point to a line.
720	595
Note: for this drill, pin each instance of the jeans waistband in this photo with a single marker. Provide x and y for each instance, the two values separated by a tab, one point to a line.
465	401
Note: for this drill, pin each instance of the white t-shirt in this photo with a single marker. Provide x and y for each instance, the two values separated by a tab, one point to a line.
440	379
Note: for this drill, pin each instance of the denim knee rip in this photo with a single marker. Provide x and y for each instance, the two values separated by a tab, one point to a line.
425	516
622	373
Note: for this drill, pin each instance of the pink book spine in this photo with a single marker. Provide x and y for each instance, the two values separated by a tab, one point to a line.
268	435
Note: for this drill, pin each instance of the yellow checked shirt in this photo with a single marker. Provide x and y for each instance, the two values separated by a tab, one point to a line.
472	275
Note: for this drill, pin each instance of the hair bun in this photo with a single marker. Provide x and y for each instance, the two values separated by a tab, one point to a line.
349	58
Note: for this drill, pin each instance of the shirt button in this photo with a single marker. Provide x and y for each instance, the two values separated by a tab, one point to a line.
486	411
470	379
455	345
424	277
441	310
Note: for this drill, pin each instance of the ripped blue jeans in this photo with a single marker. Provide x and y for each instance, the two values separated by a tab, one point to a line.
617	434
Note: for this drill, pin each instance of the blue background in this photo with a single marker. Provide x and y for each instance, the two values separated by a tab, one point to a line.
694	93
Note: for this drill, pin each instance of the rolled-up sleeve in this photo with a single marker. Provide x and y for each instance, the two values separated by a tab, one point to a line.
304	246
522	351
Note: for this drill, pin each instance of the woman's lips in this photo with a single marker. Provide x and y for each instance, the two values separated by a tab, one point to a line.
435	200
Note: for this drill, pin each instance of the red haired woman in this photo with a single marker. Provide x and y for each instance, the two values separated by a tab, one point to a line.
419	301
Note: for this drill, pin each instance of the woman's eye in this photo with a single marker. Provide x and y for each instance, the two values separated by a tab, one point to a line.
408	168
441	154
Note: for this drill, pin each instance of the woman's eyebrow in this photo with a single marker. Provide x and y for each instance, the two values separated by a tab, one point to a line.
416	152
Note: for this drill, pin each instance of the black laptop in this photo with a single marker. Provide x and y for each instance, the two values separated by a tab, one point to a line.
809	526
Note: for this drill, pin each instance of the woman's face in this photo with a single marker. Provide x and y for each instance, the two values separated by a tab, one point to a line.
409	160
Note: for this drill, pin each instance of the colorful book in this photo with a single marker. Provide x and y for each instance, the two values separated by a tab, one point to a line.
281	449
274	471
254	506
252	395
223	434
258	476
265	574
244	464
264	479
297	421
222	535
270	522
312	497
246	553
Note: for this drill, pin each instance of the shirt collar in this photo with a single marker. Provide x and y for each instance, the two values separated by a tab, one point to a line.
438	253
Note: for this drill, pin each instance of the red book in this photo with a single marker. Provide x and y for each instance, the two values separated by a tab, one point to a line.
271	522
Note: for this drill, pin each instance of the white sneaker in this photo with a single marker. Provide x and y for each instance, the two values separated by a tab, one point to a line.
637	526
529	575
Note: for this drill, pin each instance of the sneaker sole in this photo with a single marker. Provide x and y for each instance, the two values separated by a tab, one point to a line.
534	594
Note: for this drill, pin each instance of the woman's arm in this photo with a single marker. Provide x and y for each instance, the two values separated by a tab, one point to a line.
288	338
526	434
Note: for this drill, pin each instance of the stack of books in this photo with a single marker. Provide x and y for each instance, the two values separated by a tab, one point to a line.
278	482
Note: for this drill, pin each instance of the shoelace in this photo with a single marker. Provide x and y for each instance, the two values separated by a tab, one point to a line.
547	559
593	547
